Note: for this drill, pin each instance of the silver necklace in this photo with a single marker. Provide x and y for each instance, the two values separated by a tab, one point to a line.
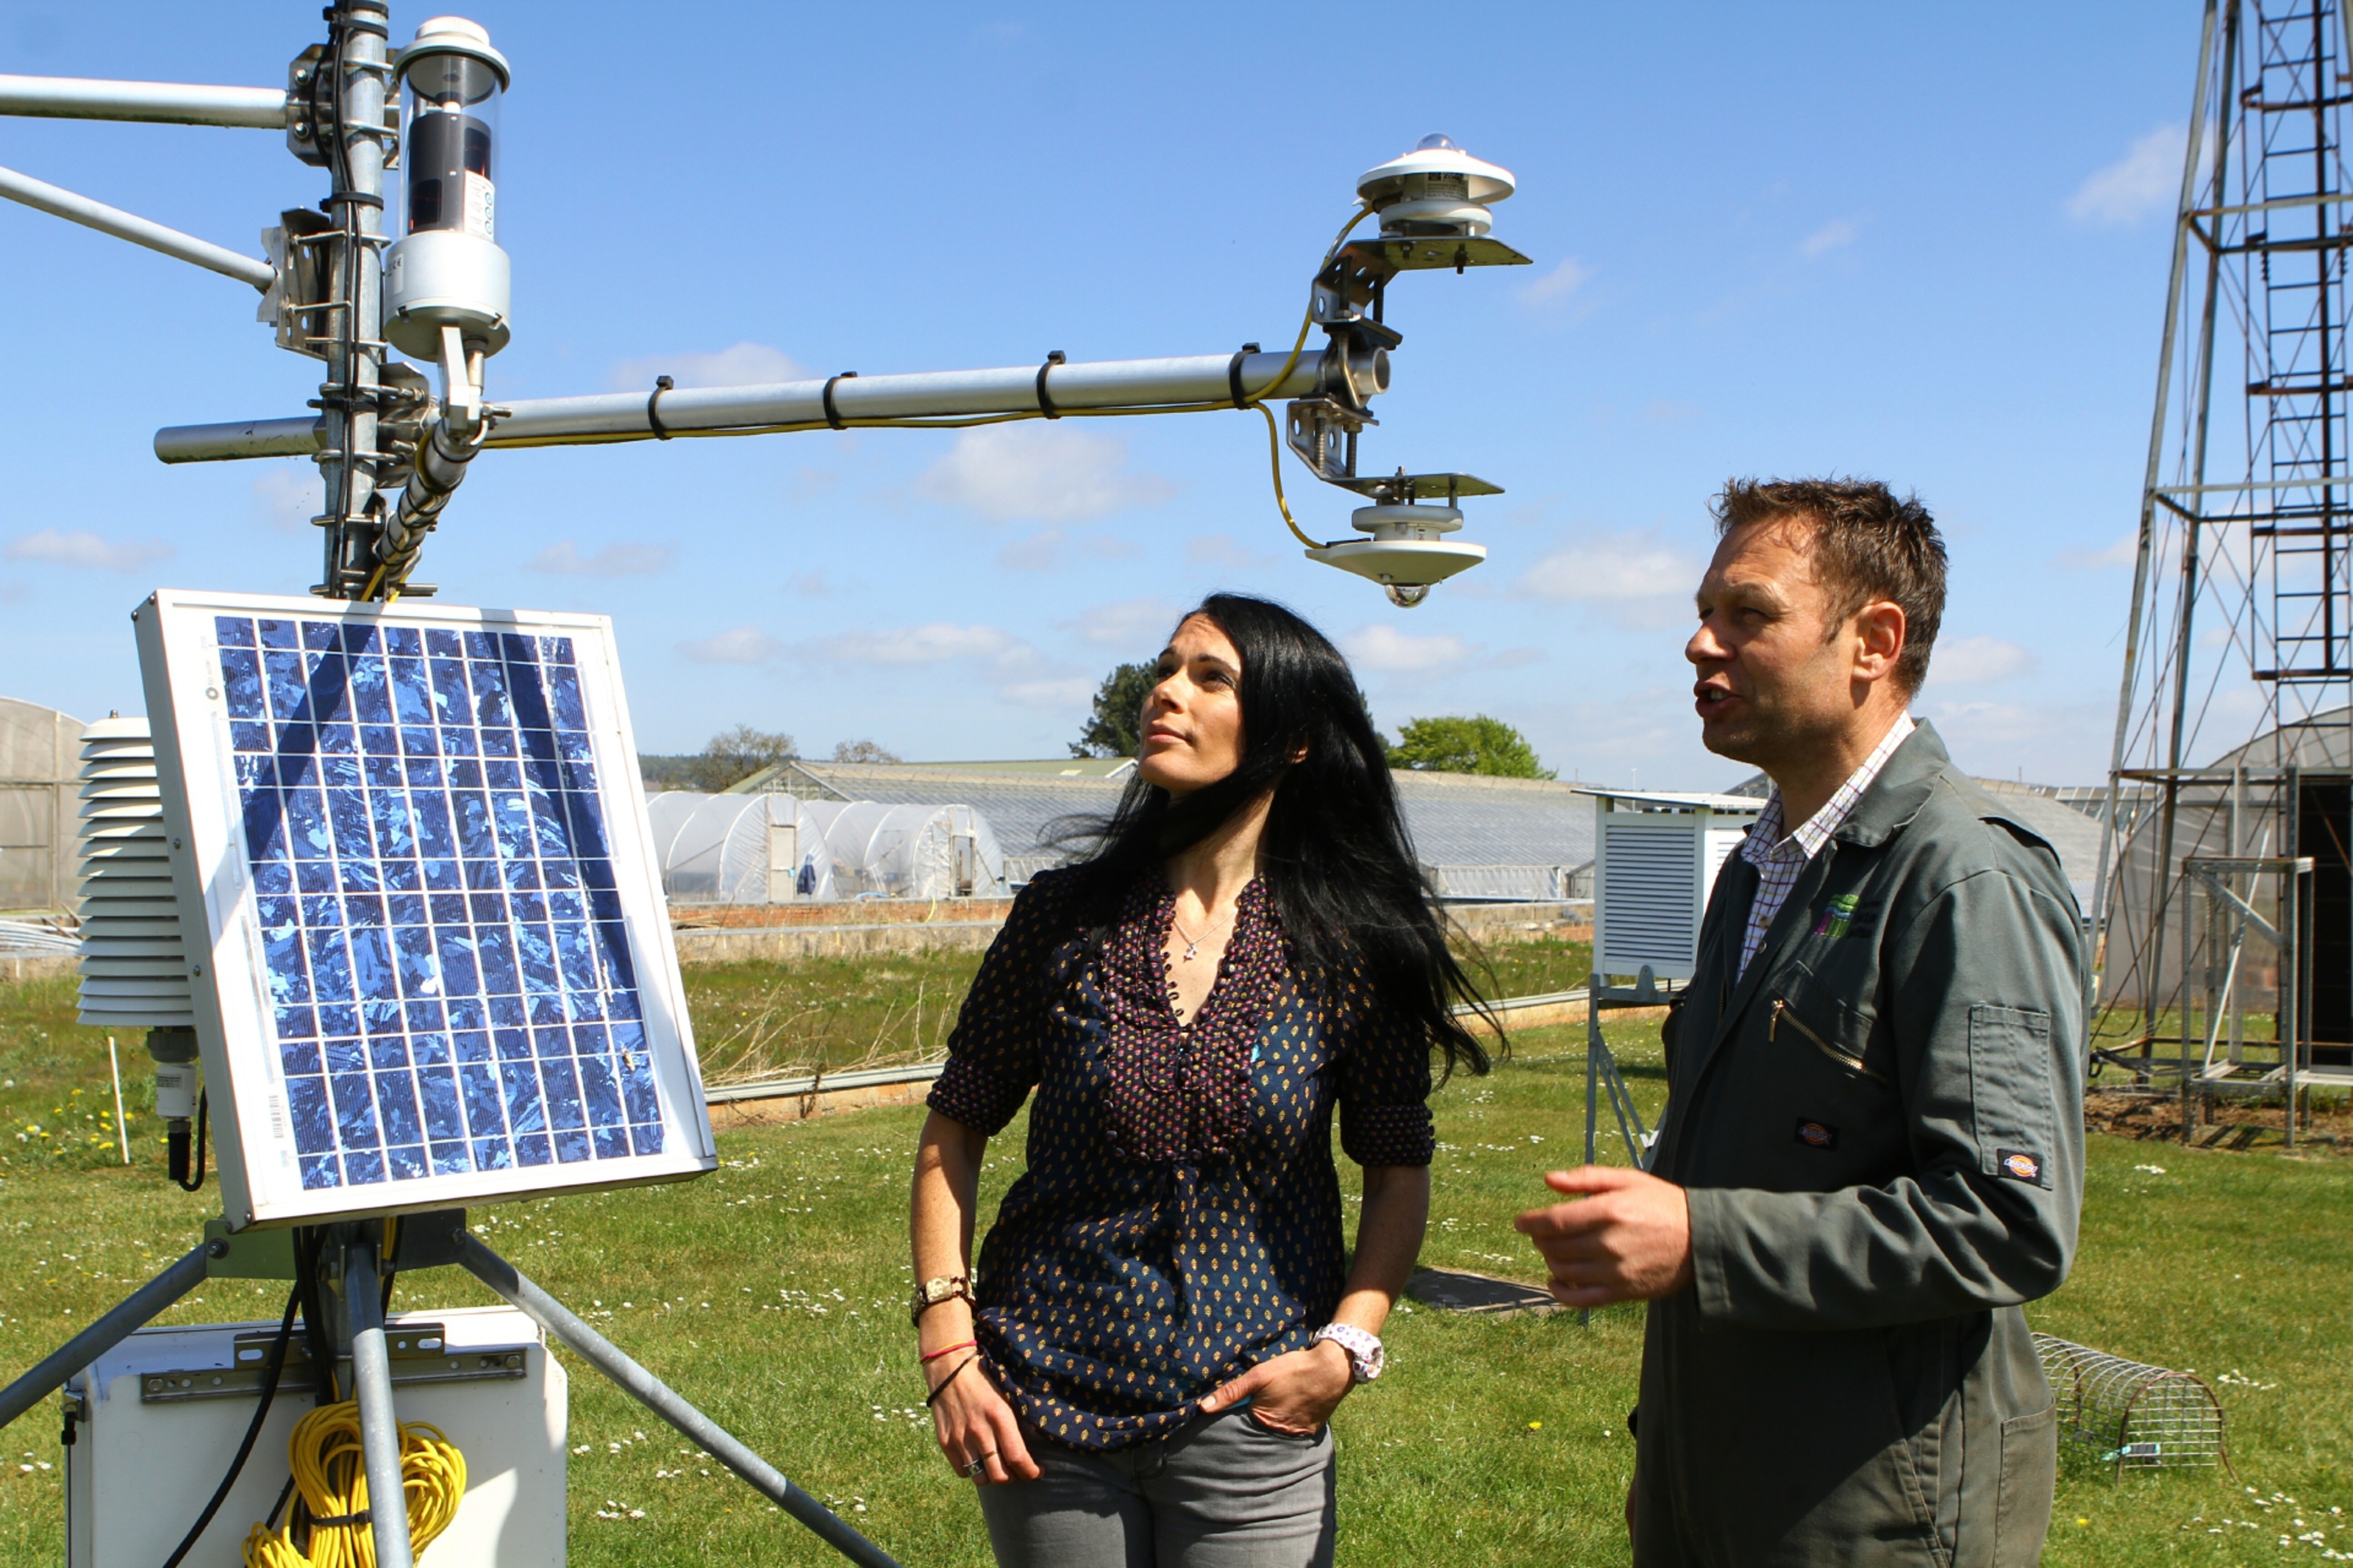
1192	942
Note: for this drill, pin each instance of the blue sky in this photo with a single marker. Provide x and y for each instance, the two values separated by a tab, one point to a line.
1927	244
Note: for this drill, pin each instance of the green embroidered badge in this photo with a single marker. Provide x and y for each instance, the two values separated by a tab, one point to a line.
1835	917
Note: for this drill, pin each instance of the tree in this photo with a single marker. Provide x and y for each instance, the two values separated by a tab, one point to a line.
863	752
1474	746
737	754
1116	729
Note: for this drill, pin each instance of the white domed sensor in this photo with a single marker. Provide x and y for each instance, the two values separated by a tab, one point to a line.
1435	189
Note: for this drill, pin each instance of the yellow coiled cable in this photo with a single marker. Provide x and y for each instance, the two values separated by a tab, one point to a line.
329	1472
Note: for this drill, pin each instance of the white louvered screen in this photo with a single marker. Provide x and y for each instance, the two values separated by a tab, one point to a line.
1649	898
134	972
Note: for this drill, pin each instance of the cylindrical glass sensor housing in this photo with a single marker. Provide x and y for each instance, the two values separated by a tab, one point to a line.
450	117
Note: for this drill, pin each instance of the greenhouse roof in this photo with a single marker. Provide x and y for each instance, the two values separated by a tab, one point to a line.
1456	819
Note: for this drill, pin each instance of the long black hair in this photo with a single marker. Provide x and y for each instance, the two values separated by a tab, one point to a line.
1338	863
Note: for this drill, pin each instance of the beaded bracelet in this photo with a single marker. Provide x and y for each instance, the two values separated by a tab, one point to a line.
930	1356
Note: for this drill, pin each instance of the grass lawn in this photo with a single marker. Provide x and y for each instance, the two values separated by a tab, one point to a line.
772	1293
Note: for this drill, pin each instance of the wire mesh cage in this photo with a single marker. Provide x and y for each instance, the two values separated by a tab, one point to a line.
2138	1416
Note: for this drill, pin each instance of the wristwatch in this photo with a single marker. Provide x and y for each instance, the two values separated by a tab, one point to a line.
1365	1357
932	1292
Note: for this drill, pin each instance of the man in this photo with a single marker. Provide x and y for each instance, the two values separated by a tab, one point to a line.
1873	1147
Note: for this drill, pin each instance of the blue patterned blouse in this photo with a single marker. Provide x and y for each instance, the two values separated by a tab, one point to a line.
1180	1218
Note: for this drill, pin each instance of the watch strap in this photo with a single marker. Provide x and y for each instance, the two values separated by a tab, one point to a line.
1365	1356
932	1292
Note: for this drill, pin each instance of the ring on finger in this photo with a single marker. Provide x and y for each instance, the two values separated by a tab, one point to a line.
974	1469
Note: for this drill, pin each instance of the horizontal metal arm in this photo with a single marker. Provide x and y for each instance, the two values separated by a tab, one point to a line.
300	437
1147	384
161	102
80	209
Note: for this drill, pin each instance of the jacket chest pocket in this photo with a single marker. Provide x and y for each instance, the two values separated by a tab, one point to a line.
1808	1018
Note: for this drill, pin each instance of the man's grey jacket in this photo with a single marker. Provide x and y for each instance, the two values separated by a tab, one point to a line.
1880	1128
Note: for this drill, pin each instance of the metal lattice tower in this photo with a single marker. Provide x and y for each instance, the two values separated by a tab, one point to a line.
2232	747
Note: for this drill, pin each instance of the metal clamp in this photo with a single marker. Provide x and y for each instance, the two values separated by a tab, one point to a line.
833	414
1046	399
653	407
1234	374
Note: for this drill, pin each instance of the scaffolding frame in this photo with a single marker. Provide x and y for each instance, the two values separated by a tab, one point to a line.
2241	616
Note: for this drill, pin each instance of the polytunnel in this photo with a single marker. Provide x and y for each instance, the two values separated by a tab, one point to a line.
772	849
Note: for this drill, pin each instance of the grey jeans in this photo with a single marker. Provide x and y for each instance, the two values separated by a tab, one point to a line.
1227	1491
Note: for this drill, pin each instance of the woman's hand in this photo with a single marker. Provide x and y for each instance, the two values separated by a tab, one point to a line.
1296	1392
974	1422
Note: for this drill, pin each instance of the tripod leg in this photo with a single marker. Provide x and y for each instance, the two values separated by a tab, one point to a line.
379	1426
136	1310
1593	1048
663	1401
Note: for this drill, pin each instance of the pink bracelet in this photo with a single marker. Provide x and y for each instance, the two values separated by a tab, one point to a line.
931	1356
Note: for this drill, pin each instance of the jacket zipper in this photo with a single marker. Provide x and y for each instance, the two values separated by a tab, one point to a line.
1782	1009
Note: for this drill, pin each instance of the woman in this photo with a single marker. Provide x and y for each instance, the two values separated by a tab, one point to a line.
1164	1318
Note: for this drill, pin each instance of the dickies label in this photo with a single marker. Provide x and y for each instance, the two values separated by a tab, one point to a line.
2019	1165
1816	1134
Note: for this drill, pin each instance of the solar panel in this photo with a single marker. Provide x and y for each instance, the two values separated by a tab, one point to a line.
441	970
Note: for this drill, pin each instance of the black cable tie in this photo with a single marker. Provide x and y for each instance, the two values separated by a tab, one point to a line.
1234	373
335	1521
359	199
653	407
833	414
1046	399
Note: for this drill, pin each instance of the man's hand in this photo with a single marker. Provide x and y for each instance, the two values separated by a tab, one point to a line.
1294	1393
1629	1238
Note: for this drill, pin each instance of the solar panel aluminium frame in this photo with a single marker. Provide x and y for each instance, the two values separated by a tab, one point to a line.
260	1165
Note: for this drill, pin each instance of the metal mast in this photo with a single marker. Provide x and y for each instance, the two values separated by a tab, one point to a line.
2232	755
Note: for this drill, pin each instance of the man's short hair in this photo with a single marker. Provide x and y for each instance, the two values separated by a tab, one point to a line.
1868	544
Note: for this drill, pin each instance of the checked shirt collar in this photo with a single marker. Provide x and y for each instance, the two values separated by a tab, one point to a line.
1780	857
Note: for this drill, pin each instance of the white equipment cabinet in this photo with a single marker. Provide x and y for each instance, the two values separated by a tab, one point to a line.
1656	855
160	1414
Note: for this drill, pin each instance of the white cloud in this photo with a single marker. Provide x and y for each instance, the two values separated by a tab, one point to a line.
620	558
1225	550
1557	287
1049	472
1072	691
287	495
1128	623
2145	180
1013	670
1829	237
933	643
2123	552
1612	567
744	645
1038	552
2058	743
1381	647
52	547
1976	661
746	364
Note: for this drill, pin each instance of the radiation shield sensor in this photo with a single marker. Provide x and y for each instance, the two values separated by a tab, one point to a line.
1407	552
435	967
